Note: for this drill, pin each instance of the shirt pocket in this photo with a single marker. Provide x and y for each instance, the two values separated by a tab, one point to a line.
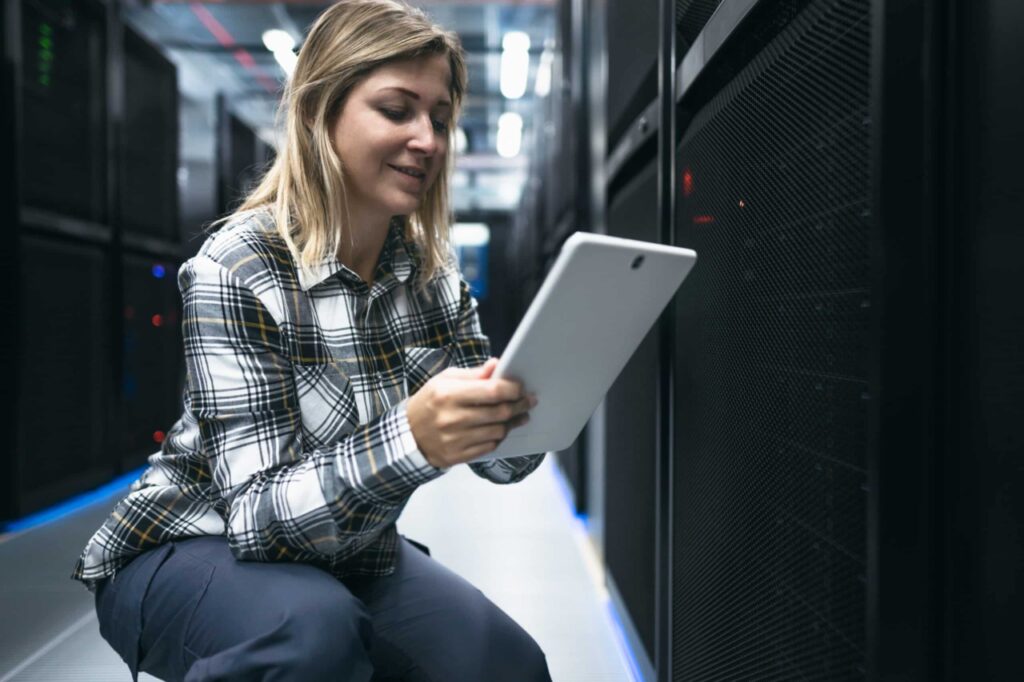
422	363
327	403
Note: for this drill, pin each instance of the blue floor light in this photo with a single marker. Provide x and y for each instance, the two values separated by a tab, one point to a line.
72	505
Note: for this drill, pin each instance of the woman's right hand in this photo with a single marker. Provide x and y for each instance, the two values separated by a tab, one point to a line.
461	414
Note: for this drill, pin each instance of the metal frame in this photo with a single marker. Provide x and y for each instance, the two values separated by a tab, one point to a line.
904	420
663	558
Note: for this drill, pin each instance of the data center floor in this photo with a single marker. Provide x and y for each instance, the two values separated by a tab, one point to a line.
520	544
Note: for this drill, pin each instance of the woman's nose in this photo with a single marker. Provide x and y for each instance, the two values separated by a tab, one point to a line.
424	138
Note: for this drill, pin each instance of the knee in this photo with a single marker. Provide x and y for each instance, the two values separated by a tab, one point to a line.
318	626
325	636
521	658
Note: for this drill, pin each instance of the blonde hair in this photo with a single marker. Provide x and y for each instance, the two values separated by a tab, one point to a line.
305	186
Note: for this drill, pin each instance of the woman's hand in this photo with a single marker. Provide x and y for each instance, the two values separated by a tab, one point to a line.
461	414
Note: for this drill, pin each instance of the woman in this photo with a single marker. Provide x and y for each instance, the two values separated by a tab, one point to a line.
335	363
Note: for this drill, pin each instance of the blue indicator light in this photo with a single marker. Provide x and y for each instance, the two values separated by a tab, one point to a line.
159	272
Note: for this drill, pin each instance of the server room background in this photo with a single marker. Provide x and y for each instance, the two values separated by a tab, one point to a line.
812	468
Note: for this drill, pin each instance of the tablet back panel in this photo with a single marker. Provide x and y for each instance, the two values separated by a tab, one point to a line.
598	302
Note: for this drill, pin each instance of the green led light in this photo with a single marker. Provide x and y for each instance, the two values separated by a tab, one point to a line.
46	54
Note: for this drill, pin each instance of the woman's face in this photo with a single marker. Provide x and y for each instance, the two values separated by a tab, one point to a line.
392	136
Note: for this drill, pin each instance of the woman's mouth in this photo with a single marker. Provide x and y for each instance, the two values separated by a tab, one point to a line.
414	173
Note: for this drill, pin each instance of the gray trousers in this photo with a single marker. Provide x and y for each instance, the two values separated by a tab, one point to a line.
188	610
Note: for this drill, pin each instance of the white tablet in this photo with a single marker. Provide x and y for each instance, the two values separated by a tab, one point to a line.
596	305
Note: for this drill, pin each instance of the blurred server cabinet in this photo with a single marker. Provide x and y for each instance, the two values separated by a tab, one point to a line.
242	157
60	447
149	144
150	355
62	96
73	122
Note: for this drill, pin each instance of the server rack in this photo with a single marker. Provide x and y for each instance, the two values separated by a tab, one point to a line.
241	157
836	390
69	130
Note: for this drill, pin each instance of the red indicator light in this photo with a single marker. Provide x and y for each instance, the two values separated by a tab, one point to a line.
687	182
158	320
159	436
703	219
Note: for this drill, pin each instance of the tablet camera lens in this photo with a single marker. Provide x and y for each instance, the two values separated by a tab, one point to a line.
637	262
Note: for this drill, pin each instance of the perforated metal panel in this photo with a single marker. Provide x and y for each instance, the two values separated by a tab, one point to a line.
149	153
631	408
63	117
64	371
772	381
151	357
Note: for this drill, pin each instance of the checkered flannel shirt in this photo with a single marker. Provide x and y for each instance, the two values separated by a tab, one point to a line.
294	440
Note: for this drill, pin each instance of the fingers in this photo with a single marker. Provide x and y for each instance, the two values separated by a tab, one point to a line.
486	370
499	413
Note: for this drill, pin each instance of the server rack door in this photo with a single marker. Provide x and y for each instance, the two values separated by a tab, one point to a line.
63	100
149	149
630	434
773	352
151	358
63	373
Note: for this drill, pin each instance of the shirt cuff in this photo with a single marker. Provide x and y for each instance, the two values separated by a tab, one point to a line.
410	447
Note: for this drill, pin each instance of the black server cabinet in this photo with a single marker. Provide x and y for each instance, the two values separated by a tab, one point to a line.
150	355
632	43
62	94
241	158
63	373
846	479
89	109
775	374
149	142
631	407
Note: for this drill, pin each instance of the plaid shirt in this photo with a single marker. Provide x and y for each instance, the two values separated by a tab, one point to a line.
294	440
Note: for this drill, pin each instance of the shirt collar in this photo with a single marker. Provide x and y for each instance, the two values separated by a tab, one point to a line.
397	259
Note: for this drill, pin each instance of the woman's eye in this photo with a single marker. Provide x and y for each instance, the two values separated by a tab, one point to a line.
440	126
393	114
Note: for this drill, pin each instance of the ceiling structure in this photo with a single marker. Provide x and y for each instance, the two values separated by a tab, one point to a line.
218	48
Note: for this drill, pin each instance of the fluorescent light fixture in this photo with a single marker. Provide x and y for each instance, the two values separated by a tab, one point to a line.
281	44
471	234
543	85
276	39
287	59
515	64
510	134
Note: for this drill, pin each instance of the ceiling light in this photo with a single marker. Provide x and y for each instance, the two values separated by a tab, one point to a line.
510	134
515	64
543	85
281	44
275	39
